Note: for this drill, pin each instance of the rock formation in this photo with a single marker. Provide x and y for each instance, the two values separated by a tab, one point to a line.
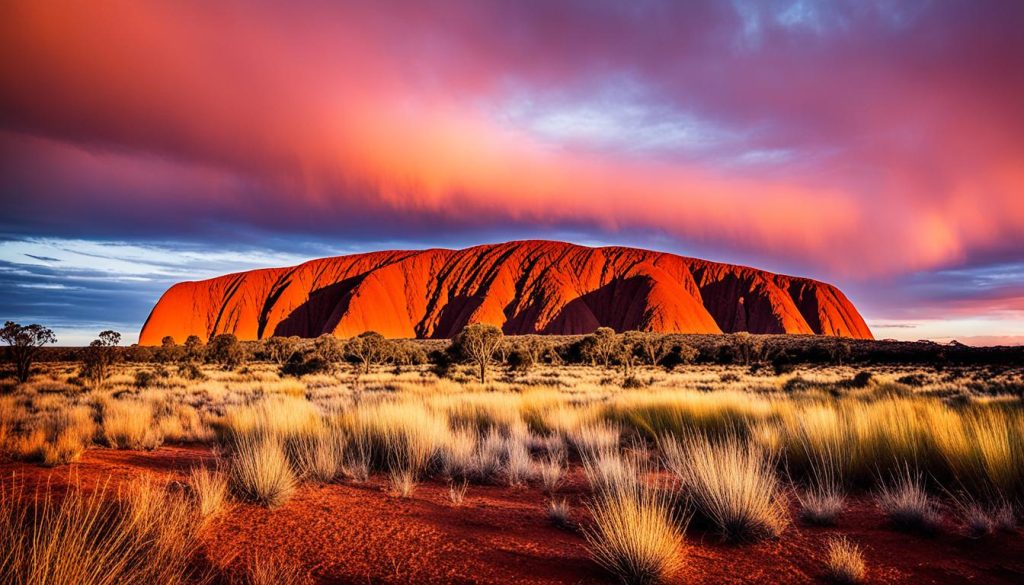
523	287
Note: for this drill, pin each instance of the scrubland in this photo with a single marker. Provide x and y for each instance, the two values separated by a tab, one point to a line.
680	458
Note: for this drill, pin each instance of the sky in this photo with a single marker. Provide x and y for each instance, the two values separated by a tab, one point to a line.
876	145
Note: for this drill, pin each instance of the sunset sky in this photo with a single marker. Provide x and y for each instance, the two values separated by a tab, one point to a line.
875	145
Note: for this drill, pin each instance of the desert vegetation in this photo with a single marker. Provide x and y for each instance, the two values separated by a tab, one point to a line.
638	446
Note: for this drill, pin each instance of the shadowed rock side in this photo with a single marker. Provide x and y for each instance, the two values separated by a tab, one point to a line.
523	287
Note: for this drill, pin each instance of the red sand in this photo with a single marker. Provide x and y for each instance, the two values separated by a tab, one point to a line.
358	533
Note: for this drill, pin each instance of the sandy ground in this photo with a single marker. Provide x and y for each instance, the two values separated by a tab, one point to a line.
359	533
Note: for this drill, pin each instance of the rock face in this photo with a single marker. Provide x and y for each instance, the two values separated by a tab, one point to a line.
522	287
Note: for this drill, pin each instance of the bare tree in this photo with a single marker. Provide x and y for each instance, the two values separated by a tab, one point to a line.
25	343
478	342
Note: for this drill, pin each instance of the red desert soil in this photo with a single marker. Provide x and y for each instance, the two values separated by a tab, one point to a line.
522	287
358	533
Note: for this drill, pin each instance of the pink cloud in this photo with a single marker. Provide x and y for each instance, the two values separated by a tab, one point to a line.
900	134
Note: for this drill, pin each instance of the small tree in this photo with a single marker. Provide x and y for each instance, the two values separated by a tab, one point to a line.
195	349
100	357
169	350
226	350
628	349
679	353
369	348
747	348
653	347
478	342
280	349
25	343
600	346
839	351
328	349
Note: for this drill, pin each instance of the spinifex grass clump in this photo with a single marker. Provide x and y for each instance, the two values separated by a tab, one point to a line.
731	483
905	501
142	535
260	472
844	562
636	533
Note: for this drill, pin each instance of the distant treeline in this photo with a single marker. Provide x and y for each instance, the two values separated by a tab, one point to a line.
604	347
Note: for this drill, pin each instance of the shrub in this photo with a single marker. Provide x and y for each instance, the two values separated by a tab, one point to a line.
861	379
144	378
632	382
191	371
369	349
478	342
305	363
280	349
844	562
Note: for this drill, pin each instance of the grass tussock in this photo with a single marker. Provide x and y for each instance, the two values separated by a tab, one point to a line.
209	489
144	535
403	482
259	471
844	562
731	483
635	534
560	513
905	501
130	425
262	569
822	500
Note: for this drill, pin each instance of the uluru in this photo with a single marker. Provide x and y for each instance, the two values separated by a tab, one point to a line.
524	287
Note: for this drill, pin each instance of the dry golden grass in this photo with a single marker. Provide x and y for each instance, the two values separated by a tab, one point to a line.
823	498
724	432
259	471
844	562
320	456
730	482
635	533
271	569
559	512
457	492
551	473
129	424
143	536
905	500
209	489
402	482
